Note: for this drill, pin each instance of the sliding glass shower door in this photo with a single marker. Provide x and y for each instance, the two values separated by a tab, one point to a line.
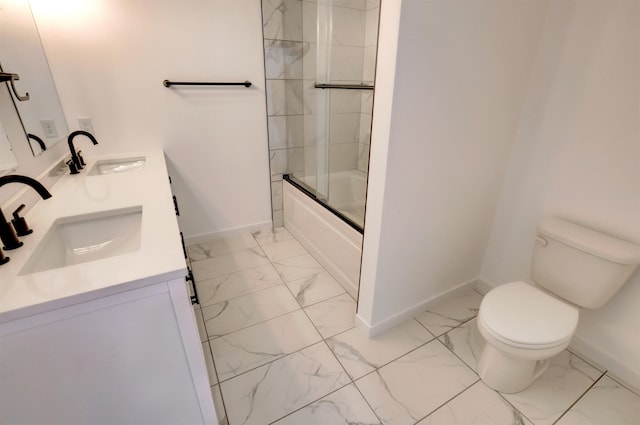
338	74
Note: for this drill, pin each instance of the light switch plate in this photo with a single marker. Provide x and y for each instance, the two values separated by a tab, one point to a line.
85	124
49	128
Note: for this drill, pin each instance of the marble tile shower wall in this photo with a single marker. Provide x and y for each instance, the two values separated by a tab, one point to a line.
368	75
290	46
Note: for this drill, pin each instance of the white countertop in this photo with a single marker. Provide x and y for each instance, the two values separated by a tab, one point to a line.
160	257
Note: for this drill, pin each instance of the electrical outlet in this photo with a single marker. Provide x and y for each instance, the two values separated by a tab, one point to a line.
85	124
49	128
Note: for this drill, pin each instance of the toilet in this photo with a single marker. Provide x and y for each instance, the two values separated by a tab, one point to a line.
524	325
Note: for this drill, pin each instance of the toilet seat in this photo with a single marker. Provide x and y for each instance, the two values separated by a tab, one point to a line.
520	315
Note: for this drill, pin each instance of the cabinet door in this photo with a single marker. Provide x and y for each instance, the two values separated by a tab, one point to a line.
193	348
115	360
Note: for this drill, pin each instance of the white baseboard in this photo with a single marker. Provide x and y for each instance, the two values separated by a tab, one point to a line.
483	286
204	237
395	320
363	324
603	360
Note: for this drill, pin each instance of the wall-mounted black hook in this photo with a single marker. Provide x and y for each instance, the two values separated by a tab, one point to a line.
38	140
8	77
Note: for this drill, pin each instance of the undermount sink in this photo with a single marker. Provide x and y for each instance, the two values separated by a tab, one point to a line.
113	166
84	238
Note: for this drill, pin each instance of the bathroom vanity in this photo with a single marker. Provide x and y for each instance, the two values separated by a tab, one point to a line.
96	324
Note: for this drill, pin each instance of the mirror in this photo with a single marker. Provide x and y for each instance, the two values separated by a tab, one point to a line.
8	115
7	158
22	54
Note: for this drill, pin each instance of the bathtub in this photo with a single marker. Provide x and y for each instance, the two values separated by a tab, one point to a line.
336	244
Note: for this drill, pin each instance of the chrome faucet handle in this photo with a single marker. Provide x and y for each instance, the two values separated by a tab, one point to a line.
19	223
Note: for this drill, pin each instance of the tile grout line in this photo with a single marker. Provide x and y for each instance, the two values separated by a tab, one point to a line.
435	338
580	398
219	384
448	401
368	403
472	369
510	404
244	294
310	403
455	354
233	251
251	325
321	301
255	324
323	340
400	356
215	370
622	384
598	368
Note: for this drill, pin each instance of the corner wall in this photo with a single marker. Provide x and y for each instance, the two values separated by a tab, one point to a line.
109	59
577	155
437	162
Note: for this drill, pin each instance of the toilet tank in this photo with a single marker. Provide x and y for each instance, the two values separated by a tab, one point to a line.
581	265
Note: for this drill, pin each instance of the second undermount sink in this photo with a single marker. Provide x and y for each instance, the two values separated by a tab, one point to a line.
113	166
84	238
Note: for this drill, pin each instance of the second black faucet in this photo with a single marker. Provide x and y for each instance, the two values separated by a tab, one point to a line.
77	163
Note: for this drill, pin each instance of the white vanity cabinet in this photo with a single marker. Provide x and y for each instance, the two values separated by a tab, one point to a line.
130	358
112	341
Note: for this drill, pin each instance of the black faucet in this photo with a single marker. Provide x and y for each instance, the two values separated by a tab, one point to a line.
38	140
7	233
75	157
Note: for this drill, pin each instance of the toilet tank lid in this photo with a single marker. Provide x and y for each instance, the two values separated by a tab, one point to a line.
591	241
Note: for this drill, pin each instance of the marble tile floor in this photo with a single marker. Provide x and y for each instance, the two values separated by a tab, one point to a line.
281	346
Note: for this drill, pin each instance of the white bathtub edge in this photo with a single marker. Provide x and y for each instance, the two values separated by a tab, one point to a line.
335	244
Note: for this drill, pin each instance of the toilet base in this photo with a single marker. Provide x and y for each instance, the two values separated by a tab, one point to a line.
508	374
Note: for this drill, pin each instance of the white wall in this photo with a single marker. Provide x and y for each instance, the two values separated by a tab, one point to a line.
109	58
577	155
460	76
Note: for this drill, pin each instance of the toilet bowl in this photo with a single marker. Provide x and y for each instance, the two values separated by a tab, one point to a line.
523	327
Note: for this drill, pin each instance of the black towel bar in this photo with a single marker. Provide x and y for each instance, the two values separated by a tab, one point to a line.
343	86
168	83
